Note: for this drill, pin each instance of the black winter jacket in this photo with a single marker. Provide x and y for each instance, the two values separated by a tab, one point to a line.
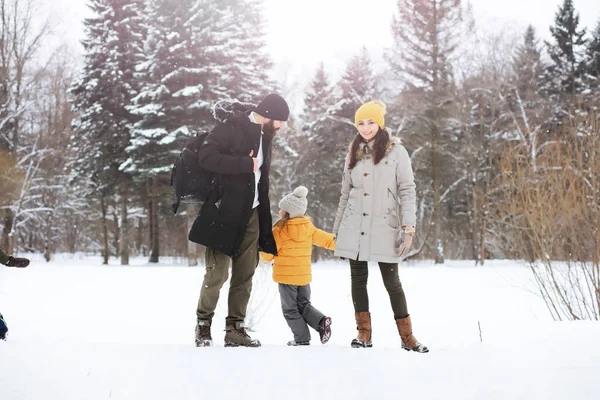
223	218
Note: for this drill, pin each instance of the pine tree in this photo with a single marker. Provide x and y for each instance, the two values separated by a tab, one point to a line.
323	149
245	65
317	101
180	81
102	129
358	83
481	104
427	35
567	50
113	47
525	101
180	76
317	122
197	52
592	68
318	97
291	148
528	67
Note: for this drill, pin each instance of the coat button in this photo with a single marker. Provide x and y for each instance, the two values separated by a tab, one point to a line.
366	194
362	233
365	214
366	174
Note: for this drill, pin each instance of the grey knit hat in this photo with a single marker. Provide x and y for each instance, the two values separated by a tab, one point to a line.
295	203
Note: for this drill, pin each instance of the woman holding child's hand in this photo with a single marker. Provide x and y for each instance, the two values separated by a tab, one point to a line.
376	219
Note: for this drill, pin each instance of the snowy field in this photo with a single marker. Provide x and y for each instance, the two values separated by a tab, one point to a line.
79	330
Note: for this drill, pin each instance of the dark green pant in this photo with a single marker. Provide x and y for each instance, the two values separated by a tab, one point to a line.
3	257
243	267
389	272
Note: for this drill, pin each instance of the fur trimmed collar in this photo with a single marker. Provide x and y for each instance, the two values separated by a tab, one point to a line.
224	110
365	148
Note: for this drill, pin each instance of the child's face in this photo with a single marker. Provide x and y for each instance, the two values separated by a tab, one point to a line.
282	213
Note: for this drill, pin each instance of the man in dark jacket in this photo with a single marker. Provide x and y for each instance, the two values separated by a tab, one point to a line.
235	221
9	261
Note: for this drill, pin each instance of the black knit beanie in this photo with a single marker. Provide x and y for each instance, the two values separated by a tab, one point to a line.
273	107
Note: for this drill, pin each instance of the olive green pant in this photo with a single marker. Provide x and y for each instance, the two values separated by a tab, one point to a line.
359	272
3	257
243	267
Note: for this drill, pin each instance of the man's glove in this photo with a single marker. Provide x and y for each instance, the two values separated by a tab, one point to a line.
405	240
17	262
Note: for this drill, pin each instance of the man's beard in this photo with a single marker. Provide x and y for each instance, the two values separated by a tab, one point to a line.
269	129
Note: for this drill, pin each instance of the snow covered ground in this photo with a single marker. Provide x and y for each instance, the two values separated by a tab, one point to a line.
79	330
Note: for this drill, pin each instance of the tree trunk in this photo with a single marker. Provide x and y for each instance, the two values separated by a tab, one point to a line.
140	248
72	236
8	222
472	203
438	240
482	236
124	226
191	212
477	220
12	245
435	140
150	216
48	238
105	252
154	234
117	235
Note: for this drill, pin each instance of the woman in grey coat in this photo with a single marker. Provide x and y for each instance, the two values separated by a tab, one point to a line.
376	219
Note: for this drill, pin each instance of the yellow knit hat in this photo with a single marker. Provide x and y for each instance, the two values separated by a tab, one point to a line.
374	110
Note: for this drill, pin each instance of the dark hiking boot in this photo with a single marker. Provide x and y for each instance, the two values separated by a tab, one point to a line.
325	329
294	343
409	342
363	325
17	262
236	336
203	336
3	328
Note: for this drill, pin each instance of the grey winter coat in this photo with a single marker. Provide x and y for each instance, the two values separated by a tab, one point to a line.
375	202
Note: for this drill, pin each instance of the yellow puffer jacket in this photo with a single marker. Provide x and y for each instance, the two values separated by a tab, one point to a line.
292	265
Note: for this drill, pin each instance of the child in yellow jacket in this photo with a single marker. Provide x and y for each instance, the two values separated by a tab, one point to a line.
295	235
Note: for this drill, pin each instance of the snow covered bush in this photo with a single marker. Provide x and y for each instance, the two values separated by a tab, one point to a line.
264	293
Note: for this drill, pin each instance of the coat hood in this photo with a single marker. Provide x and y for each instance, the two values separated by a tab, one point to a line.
224	110
297	229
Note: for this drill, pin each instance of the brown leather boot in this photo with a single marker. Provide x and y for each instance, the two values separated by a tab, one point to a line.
409	342
363	325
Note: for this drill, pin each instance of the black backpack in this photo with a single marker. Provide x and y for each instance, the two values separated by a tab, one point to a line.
191	182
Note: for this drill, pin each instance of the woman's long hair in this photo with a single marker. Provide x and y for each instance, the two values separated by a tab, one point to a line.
381	139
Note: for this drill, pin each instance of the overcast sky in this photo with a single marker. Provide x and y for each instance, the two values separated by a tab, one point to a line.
302	33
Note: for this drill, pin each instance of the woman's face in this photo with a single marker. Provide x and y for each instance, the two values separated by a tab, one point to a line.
368	129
